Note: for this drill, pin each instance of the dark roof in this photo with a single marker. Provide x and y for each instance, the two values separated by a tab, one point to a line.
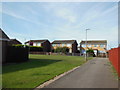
63	41
15	41
94	41
41	41
3	36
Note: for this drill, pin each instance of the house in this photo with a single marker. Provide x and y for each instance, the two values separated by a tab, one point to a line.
71	44
43	43
14	41
99	46
4	40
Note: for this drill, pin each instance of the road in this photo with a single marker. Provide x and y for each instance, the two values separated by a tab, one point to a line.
96	73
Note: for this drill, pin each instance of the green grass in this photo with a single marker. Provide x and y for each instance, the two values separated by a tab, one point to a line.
39	69
114	72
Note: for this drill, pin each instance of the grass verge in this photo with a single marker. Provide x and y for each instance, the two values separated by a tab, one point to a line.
37	70
114	72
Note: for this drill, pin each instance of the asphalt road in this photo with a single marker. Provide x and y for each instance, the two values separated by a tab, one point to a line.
95	73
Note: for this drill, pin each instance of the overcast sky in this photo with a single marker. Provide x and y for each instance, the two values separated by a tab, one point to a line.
60	20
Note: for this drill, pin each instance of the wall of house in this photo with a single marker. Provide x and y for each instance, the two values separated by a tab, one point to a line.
95	46
46	46
54	46
114	57
74	47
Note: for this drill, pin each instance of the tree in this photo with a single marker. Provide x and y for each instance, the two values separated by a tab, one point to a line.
90	52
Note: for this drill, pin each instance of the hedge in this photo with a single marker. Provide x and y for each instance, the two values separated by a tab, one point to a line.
31	48
17	54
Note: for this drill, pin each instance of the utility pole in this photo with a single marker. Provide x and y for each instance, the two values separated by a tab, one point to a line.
86	45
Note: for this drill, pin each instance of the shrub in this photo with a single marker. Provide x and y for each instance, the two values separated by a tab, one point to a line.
78	51
90	51
61	49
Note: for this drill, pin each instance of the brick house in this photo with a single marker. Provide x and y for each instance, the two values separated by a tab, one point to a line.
43	43
71	44
99	46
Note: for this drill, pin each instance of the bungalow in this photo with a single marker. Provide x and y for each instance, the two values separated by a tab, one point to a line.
44	43
71	44
99	46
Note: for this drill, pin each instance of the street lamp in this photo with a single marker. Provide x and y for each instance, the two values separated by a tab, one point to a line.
86	45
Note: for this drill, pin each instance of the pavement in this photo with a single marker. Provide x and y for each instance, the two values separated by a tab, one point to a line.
96	73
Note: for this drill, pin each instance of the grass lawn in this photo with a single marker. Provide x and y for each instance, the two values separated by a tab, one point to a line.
39	69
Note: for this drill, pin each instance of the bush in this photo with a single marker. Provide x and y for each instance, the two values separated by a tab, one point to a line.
78	51
90	52
61	49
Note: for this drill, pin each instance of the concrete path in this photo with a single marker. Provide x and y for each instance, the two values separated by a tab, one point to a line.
95	73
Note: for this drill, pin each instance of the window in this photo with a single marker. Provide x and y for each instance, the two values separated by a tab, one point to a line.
89	45
34	44
53	45
101	45
58	44
63	45
83	45
38	44
68	45
95	45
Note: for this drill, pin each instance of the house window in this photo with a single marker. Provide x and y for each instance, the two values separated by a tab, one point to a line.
68	45
34	44
95	45
53	45
101	45
63	45
38	44
89	45
58	45
83	45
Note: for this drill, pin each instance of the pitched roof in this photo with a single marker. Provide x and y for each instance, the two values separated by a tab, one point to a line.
15	41
41	41
94	41
63	41
3	36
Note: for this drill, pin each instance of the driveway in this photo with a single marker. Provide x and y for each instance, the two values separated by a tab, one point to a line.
95	73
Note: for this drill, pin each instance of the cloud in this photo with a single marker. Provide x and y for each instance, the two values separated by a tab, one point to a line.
22	17
64	21
95	13
66	14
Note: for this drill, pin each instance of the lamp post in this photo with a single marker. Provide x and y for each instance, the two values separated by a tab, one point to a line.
86	45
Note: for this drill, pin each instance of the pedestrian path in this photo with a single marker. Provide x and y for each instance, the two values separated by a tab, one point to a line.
95	73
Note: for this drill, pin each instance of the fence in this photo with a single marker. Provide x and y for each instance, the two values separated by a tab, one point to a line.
114	57
50	53
16	54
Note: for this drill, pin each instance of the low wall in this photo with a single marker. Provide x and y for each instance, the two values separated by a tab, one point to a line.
114	57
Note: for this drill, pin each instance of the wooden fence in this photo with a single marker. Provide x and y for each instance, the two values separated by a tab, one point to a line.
114	57
16	54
